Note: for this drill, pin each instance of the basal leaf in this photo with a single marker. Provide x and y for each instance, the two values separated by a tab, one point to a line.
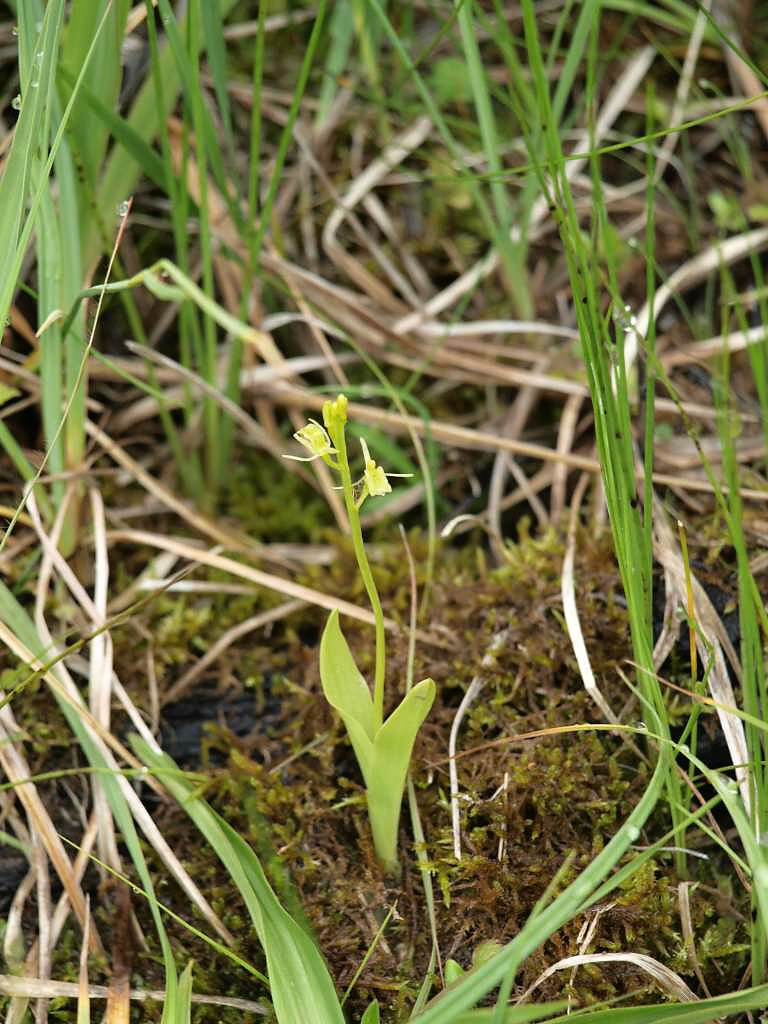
394	740
371	1015
344	687
391	756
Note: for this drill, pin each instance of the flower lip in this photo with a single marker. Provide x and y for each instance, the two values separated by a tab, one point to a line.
315	439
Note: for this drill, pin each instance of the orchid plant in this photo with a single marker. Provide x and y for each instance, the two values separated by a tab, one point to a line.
383	747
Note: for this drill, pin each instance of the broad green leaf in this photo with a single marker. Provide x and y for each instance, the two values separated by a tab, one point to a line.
344	687
371	1015
453	971
385	780
383	756
405	721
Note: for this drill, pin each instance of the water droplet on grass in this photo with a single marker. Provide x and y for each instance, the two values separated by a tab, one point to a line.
16	102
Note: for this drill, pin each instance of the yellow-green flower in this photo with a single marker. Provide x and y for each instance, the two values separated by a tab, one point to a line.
375	480
316	440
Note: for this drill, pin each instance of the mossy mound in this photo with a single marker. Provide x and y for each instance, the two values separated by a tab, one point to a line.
527	807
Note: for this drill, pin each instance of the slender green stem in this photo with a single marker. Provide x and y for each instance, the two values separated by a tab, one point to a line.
356	530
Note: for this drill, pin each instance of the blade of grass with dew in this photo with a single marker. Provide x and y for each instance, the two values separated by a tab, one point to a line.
301	988
29	138
103	76
15	230
28	172
59	268
121	171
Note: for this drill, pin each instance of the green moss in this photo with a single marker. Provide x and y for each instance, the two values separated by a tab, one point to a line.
272	505
295	793
293	789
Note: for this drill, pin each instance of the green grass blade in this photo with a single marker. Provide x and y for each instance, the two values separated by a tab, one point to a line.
103	75
301	988
441	125
701	1012
213	33
182	1011
341	30
512	254
122	171
122	132
287	133
29	138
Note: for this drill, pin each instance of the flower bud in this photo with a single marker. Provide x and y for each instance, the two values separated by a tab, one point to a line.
335	413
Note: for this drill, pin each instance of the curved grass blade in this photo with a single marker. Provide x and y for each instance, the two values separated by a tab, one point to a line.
300	985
